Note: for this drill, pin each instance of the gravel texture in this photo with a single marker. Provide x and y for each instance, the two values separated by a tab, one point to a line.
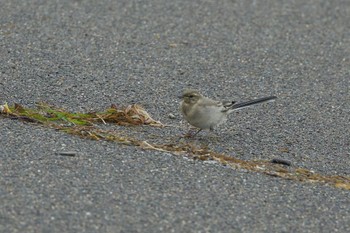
86	55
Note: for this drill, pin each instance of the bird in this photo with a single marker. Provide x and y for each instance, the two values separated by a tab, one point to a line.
205	113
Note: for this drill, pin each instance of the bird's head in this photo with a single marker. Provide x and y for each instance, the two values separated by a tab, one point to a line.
190	96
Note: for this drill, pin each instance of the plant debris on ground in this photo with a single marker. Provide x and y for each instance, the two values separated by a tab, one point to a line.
85	125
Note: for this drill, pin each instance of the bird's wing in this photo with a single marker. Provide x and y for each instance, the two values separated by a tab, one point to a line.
227	105
206	102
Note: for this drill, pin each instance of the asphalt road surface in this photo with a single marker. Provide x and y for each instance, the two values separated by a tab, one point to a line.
86	55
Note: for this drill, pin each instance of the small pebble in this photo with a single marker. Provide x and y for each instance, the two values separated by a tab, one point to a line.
171	116
281	161
67	153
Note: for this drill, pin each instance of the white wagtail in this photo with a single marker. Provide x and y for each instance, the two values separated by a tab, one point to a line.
204	113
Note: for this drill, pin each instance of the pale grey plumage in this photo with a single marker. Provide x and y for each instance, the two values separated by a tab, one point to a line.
205	113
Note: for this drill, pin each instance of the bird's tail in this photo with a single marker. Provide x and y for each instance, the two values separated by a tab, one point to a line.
252	102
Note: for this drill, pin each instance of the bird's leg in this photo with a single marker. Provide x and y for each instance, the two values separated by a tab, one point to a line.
213	135
189	134
196	132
